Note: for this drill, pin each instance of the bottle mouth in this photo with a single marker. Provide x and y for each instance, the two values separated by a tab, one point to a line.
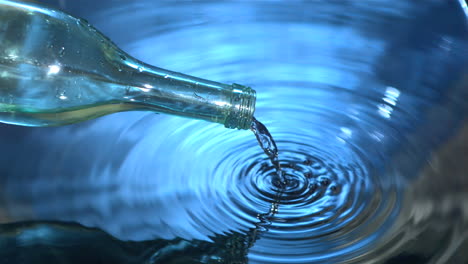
242	107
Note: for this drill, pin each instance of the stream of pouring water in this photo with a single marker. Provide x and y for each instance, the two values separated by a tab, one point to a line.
268	144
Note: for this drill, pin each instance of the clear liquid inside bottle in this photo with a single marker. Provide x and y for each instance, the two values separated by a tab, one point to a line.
56	69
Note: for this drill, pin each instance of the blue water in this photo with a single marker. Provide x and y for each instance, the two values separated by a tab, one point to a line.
367	102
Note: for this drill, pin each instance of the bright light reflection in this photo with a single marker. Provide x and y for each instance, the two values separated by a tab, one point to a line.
390	98
147	88
53	69
32	8
134	66
377	136
218	103
346	132
464	6
385	110
12	54
392	91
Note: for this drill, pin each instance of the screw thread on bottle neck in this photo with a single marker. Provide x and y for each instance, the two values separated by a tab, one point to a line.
242	107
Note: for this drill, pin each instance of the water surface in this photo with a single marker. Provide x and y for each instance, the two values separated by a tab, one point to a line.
367	102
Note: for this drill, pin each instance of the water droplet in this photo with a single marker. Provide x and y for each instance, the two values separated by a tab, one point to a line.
61	95
82	22
166	76
140	69
335	189
324	181
312	186
62	51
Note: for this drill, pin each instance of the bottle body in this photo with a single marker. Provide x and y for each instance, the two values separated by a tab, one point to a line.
56	69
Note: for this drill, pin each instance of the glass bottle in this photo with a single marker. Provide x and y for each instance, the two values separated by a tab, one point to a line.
56	69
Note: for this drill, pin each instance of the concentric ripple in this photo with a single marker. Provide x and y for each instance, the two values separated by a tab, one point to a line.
330	200
336	197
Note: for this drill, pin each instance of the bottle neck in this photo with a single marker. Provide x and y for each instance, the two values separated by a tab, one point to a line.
243	100
178	94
